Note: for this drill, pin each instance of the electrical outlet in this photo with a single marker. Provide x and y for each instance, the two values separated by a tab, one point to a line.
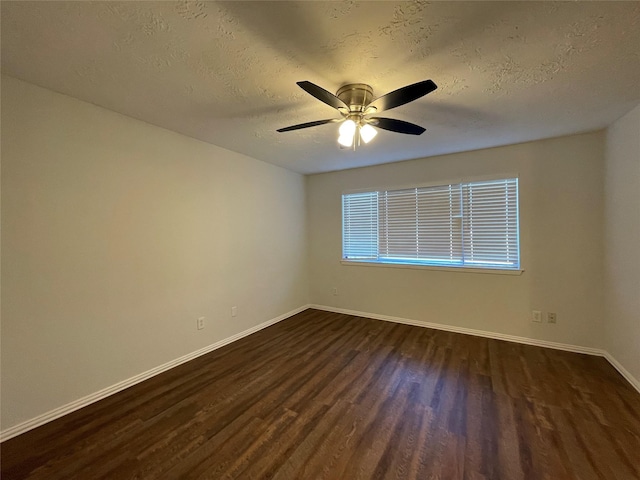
536	316
234	311
552	317
334	290
200	323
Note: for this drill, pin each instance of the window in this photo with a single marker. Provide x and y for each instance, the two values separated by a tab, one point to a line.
473	225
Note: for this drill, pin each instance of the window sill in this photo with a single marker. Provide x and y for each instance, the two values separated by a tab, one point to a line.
488	271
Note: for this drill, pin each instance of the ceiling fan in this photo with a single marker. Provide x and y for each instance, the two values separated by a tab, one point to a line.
355	103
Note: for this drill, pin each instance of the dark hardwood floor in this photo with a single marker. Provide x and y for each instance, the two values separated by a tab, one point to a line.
324	395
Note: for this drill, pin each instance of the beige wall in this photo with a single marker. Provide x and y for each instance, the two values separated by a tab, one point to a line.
561	204
622	241
117	235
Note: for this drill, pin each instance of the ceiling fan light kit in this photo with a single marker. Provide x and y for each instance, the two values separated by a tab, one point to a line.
367	133
347	132
355	103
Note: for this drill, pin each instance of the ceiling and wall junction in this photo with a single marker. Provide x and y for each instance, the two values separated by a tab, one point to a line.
225	72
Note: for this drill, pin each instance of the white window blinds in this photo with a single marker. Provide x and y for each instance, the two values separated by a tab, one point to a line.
360	225
490	226
472	224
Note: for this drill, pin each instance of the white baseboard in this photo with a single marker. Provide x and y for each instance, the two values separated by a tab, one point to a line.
635	383
105	392
498	336
467	331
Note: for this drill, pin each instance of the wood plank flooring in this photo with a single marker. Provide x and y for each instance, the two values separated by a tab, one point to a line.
330	396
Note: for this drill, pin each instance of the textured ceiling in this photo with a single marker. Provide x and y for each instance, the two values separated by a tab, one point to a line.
225	72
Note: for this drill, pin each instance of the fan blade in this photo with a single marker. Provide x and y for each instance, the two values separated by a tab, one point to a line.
323	95
402	95
308	124
394	125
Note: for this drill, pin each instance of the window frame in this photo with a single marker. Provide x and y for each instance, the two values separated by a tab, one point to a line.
451	267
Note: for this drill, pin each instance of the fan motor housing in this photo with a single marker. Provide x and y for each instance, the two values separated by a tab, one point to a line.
356	95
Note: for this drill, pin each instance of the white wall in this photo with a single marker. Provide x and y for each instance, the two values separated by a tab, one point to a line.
117	235
622	241
561	205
